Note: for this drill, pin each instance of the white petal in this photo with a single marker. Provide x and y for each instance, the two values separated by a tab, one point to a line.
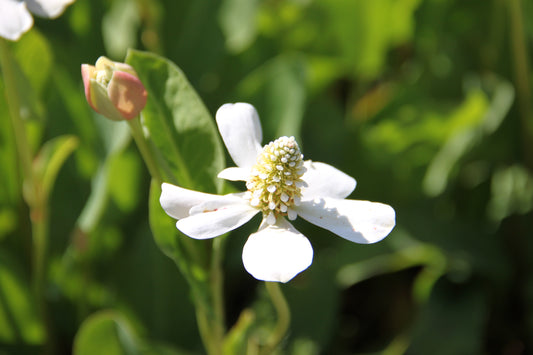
277	252
15	19
214	218
323	180
177	201
358	221
235	174
240	129
48	8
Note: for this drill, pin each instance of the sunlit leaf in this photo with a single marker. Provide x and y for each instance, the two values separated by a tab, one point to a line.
125	180
35	57
277	89
469	126
238	21
178	124
119	27
512	192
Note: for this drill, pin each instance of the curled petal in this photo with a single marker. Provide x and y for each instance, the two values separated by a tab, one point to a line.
277	252
358	221
234	174
323	180
216	217
88	72
48	8
127	93
15	19
100	102
240	129
177	201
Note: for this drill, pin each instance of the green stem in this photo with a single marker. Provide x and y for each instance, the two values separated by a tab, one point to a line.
32	192
522	73
210	323
144	148
206	331
217	291
284	317
39	222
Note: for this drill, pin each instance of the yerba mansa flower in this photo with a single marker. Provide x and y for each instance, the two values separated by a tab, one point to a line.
280	185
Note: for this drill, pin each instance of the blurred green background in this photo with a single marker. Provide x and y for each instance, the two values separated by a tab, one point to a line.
427	103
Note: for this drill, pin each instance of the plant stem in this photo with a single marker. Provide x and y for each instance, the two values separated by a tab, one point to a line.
211	324
206	331
284	317
522	74
217	291
32	193
144	148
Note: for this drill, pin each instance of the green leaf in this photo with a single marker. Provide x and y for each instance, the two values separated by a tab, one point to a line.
35	58
238	22
452	322
180	248
51	158
9	175
178	124
106	332
278	90
237	338
469	125
124	180
365	30
120	26
18	315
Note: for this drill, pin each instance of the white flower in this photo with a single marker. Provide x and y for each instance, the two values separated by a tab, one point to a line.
15	17
280	184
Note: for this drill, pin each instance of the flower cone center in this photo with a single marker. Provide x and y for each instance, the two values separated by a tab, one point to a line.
275	182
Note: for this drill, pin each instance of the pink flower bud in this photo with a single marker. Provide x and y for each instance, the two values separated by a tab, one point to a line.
113	89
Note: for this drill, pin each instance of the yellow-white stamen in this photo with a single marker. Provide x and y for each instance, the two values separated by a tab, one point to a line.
275	183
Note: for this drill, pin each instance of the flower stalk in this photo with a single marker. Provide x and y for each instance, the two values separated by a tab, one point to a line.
284	317
32	191
144	149
522	75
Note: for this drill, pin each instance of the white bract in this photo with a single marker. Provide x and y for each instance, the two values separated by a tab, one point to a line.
16	19
279	184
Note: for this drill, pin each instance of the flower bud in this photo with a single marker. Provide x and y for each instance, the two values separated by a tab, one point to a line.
113	89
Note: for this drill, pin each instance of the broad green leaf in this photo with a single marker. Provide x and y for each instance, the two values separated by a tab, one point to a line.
124	180
468	126
24	95
115	137
278	90
35	58
178	124
163	227
106	332
511	192
184	251
238	22
9	174
365	30
51	158
120	26
452	322
19	320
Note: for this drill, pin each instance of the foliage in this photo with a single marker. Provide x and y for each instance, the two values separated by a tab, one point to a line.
427	103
